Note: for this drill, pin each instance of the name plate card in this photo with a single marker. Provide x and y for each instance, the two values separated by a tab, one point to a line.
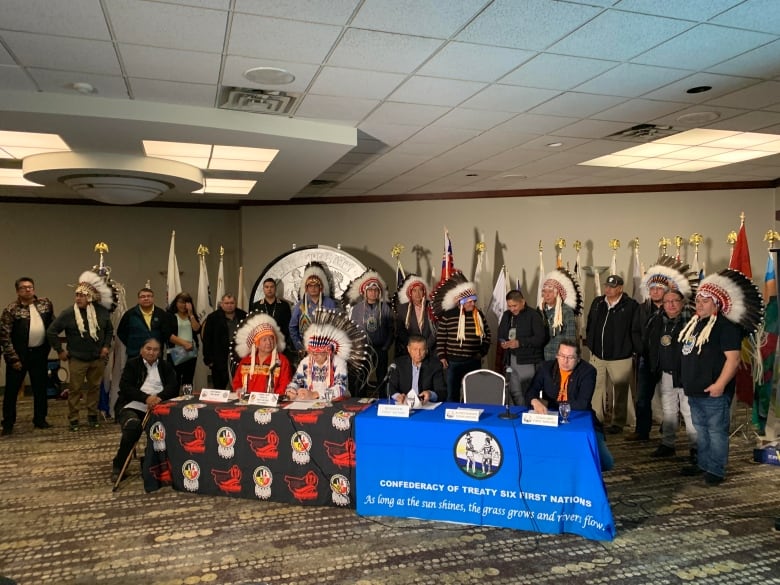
470	414
263	398
214	395
396	410
545	420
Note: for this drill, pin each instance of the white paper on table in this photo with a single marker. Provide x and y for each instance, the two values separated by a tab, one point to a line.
415	403
306	404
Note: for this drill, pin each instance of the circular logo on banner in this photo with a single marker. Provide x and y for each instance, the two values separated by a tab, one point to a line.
340	488
263	478
301	445
226	442
478	454
190	470
157	435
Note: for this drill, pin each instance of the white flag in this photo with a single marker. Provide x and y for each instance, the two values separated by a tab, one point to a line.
639	294
174	282
220	280
242	299
539	299
498	300
203	304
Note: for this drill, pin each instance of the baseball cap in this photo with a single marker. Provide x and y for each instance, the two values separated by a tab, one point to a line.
614	280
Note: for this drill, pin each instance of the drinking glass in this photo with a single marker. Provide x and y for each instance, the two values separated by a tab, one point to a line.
186	390
564	408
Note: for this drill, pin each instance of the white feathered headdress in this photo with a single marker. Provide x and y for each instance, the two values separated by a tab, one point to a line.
356	289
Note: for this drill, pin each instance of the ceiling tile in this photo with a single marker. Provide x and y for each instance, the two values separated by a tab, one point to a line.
390	134
171	92
590	129
286	40
702	47
335	12
170	64
472	119
749	122
435	91
556	71
761	62
335	108
761	15
632	80
721	85
14	78
356	83
674	118
531	24
534	123
75	18
5	56
411	114
756	96
640	111
577	104
436	138
63	53
379	51
474	62
508	98
427	18
233	73
61	82
697	10
629	35
166	25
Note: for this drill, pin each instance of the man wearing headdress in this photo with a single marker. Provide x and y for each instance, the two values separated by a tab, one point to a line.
314	294
23	341
462	336
561	303
522	335
277	308
263	366
414	315
370	310
727	306
88	334
614	337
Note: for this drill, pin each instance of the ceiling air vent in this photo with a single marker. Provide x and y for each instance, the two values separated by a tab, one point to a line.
643	133
258	101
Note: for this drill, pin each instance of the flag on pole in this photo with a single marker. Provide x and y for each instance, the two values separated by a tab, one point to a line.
767	335
518	288
639	295
220	277
740	260
498	300
447	261
242	298
479	269
539	299
203	304
174	282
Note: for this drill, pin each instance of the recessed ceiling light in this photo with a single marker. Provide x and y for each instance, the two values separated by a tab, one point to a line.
511	176
699	89
83	87
269	76
698	118
555	145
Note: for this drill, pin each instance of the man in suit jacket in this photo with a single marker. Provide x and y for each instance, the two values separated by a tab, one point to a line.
416	371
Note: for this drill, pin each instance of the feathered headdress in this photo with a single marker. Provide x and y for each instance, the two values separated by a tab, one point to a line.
356	289
252	329
97	289
410	282
455	292
738	300
671	274
318	272
568	292
332	331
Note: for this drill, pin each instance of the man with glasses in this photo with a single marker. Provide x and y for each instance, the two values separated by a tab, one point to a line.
23	341
568	379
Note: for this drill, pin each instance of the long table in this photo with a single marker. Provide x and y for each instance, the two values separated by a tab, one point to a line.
279	454
494	472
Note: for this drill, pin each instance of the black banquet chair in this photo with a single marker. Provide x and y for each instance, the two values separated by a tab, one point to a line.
483	387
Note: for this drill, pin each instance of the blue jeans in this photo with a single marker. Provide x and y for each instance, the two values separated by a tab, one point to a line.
455	373
607	461
711	420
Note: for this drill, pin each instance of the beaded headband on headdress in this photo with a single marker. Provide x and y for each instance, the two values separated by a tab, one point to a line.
315	271
252	329
451	292
357	288
567	287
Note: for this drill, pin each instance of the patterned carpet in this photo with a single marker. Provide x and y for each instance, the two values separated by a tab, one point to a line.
60	523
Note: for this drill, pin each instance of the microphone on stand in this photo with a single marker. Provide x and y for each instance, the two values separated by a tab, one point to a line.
386	381
507	414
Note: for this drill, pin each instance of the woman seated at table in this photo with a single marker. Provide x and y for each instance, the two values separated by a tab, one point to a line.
331	341
263	367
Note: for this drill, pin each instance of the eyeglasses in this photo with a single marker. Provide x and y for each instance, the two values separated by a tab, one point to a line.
25	287
567	358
